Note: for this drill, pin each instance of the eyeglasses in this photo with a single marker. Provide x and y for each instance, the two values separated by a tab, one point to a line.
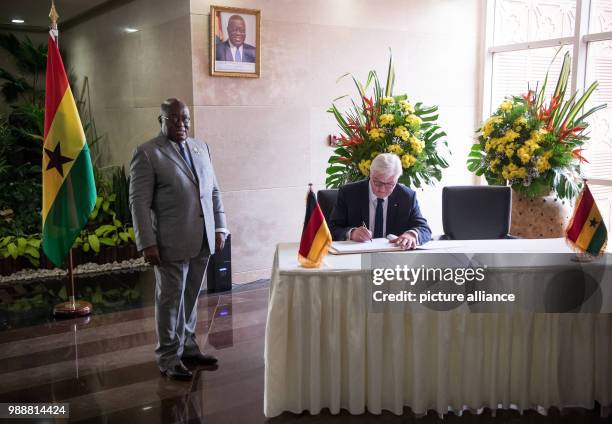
176	120
380	184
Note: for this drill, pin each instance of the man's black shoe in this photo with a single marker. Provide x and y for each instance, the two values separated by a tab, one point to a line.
177	372
200	359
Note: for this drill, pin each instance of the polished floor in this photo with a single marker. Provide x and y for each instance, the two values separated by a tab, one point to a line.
104	367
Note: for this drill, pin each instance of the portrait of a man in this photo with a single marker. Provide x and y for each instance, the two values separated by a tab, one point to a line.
234	42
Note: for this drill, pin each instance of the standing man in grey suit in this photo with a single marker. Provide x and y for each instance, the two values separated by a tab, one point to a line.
179	222
235	49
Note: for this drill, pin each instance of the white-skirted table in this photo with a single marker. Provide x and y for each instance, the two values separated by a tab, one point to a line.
326	348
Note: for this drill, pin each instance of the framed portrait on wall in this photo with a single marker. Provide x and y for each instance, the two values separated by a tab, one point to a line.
235	49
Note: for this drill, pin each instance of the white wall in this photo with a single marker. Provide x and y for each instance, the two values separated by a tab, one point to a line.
130	74
268	135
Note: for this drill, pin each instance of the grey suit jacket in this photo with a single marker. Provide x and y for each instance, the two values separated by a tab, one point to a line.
170	206
223	51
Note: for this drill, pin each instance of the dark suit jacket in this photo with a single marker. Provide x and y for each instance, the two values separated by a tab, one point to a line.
352	209
223	51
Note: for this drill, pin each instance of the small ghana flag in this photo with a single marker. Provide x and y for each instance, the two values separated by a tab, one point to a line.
316	237
69	190
586	230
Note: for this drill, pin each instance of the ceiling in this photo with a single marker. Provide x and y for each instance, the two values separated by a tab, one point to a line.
36	12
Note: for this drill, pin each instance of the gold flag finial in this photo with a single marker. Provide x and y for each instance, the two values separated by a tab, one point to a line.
53	16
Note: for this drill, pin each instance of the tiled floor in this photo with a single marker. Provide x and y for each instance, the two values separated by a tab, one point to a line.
104	367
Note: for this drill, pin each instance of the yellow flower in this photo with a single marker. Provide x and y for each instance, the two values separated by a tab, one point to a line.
364	167
402	132
542	164
416	145
377	133
524	154
395	148
506	105
406	106
511	135
387	101
386	119
509	151
521	120
374	154
408	160
494	163
414	122
489	125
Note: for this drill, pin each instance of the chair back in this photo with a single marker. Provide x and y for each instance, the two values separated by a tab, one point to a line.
327	201
476	212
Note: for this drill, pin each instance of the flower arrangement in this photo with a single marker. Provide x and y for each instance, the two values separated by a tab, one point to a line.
384	123
532	146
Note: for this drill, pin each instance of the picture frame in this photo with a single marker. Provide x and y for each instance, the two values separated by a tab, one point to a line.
235	47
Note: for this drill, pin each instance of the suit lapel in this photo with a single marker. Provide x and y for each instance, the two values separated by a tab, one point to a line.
392	208
365	203
167	149
196	157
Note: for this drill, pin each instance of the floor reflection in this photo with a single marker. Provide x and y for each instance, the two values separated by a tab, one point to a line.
104	367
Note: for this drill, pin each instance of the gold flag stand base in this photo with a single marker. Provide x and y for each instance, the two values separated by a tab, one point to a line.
72	308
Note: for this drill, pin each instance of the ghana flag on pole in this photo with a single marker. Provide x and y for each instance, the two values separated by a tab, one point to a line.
69	190
316	237
586	230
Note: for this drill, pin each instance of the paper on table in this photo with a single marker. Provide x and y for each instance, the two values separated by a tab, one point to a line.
440	244
376	245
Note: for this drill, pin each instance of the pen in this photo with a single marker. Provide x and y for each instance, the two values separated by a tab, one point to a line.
366	227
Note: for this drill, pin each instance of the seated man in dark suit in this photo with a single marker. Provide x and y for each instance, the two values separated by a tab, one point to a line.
378	207
235	49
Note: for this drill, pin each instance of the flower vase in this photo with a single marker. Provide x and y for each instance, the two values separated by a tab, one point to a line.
539	217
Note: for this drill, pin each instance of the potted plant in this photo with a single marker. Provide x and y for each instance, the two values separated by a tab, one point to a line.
386	123
536	148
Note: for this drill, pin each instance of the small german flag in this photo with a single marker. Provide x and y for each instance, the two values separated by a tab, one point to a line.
586	230
316	237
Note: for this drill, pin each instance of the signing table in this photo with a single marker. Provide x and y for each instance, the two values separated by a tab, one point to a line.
326	348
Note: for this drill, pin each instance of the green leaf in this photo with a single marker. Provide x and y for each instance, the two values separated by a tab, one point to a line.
124	237
107	241
12	250
94	242
103	230
32	252
86	247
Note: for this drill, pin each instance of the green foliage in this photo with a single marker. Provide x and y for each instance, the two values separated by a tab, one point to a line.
386	123
104	228
27	247
533	146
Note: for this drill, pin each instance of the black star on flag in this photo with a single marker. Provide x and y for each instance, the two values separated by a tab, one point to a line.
56	160
593	222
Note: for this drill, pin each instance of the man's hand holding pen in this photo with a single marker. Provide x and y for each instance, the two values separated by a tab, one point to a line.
361	234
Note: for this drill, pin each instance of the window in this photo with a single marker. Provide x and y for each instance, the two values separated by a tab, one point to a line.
522	38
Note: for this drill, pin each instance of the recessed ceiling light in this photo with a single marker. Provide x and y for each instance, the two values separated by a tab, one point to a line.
131	30
17	21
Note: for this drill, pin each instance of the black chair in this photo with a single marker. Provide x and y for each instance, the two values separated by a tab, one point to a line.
327	201
476	212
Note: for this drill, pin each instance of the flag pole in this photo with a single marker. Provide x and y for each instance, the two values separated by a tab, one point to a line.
71	308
